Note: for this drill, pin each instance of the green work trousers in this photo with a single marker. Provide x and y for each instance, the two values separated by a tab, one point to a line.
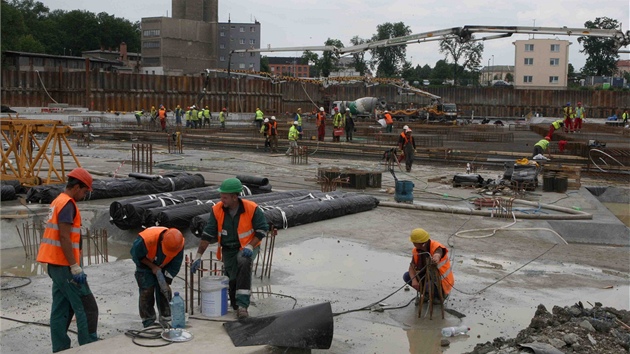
239	270
150	292
71	299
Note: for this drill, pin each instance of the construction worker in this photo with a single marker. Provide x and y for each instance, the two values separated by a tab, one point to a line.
555	126
293	138
188	117
624	117
541	146
179	112
158	253
222	115
207	116
200	117
259	118
162	116
153	114
237	226
389	121
337	125
264	130
348	123
579	116
60	248
569	113
194	114
273	134
425	253
321	124
298	119
138	115
407	144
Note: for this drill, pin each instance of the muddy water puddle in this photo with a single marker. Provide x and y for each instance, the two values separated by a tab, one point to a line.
352	275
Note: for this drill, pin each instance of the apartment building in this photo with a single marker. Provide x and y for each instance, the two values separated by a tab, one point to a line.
541	64
288	66
234	36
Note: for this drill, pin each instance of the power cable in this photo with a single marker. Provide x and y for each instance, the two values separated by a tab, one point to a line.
33	323
151	332
28	281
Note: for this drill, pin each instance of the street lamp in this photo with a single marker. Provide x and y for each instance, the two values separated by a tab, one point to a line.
488	73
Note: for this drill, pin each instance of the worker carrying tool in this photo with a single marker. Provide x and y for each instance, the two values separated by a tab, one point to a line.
60	248
425	252
158	253
237	226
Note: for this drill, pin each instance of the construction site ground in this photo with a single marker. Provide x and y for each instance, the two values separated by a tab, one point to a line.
351	261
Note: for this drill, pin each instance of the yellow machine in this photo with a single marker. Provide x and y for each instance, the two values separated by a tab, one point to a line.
30	161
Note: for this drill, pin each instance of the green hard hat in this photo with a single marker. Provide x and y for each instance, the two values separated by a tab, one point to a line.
231	185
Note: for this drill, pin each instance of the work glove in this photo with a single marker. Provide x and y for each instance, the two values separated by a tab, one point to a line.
196	264
162	282
77	274
248	251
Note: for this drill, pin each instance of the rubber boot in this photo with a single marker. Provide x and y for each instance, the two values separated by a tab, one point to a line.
232	294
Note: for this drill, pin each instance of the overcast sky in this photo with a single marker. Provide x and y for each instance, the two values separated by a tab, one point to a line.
293	23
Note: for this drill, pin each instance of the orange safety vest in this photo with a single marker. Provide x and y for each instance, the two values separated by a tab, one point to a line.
50	250
245	228
151	237
388	118
444	267
162	113
273	128
321	118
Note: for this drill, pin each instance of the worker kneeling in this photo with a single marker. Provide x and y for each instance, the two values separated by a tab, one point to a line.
426	253
238	226
158	253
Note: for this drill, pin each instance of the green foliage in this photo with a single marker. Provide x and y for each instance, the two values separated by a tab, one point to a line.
509	77
264	64
329	61
388	61
29	25
601	52
360	64
470	52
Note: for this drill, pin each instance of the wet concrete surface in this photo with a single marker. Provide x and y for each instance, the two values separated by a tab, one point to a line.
350	261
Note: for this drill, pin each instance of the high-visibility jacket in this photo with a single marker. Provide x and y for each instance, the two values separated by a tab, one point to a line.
50	250
579	112
178	112
162	113
293	133
200	114
389	119
321	119
273	128
245	227
337	120
151	237
259	115
153	113
444	266
188	115
624	116
222	117
194	114
206	113
556	124
138	113
569	112
543	143
298	118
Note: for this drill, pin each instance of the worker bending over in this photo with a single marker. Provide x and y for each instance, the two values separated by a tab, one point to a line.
158	253
541	146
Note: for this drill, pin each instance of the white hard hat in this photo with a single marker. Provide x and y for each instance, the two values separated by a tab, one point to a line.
273	117
266	120
321	109
405	127
386	111
295	122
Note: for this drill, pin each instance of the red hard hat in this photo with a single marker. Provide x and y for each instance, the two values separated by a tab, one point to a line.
82	175
172	242
336	108
579	103
223	109
547	138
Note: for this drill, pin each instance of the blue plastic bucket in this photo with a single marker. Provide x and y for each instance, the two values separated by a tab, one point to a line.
404	191
214	296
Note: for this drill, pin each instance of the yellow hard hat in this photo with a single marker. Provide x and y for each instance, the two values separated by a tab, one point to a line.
419	236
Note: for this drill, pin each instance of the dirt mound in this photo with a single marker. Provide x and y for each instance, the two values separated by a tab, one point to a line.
569	329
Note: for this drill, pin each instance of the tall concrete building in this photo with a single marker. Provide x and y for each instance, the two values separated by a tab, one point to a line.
541	64
193	40
239	36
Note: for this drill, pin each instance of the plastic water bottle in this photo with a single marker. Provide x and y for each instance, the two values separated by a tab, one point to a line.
455	331
178	312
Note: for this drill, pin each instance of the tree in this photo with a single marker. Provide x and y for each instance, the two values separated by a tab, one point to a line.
12	27
469	51
360	64
264	64
388	61
312	59
441	72
330	60
509	77
601	52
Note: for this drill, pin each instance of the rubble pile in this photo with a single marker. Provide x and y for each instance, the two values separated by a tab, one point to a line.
569	329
